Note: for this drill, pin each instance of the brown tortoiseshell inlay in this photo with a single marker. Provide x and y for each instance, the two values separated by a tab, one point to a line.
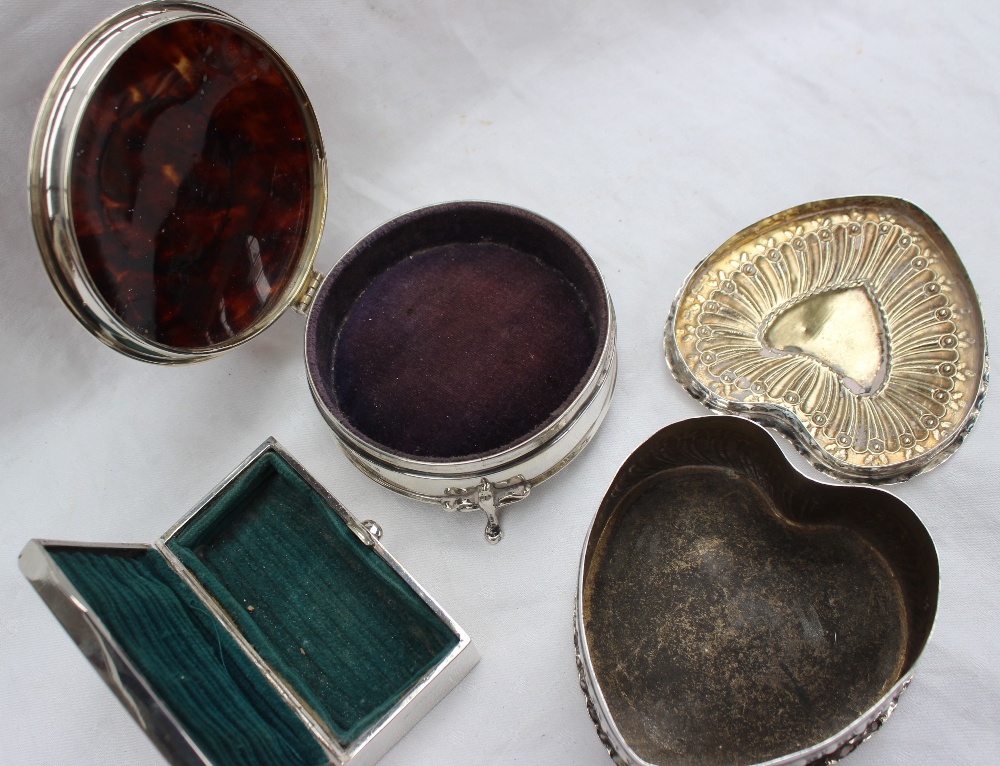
191	184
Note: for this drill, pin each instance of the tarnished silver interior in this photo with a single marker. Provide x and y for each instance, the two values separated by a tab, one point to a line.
733	612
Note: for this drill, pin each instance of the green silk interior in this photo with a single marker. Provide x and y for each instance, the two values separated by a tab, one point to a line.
334	620
329	615
193	665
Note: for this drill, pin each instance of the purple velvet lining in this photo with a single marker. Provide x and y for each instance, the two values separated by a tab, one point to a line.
456	331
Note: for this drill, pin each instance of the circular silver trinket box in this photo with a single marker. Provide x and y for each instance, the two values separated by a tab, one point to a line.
178	190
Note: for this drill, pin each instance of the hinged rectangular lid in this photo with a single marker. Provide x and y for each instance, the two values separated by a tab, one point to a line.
267	624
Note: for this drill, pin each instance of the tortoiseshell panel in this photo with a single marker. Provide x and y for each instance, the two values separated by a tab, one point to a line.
191	185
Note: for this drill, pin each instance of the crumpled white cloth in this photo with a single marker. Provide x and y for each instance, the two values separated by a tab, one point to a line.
651	131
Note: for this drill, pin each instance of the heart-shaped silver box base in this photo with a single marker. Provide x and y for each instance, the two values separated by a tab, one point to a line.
731	611
849	324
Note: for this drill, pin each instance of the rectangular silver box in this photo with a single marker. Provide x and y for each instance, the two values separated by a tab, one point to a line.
171	628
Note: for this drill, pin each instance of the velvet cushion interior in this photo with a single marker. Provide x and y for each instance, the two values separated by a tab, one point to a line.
484	341
321	608
457	332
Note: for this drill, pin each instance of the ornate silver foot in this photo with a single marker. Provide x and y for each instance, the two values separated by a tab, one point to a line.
489	498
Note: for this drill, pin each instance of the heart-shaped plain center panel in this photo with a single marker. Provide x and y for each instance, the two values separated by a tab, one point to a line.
733	612
840	327
849	324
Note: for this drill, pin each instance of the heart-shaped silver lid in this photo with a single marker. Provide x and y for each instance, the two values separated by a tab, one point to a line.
849	324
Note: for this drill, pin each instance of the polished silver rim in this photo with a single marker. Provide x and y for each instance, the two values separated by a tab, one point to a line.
49	173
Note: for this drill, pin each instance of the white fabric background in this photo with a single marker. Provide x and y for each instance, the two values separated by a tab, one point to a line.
651	131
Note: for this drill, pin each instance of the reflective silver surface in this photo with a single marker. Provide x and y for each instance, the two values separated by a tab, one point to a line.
453	486
49	173
497	480
154	716
103	652
851	325
683	644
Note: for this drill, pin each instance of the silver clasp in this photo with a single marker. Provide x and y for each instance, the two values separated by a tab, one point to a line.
489	498
369	532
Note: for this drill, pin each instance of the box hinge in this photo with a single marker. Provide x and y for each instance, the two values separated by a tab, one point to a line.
305	297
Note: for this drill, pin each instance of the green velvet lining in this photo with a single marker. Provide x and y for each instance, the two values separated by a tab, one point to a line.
193	665
319	606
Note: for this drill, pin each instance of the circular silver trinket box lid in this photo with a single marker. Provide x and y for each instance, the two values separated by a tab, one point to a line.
849	325
484	481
